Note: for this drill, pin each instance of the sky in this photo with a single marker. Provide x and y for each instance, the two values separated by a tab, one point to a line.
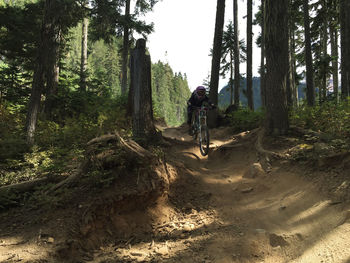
183	36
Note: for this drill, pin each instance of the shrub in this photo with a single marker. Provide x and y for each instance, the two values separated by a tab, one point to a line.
245	119
329	117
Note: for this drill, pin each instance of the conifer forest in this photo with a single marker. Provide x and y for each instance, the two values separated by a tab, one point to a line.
100	163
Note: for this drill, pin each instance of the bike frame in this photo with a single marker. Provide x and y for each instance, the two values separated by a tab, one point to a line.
199	125
200	118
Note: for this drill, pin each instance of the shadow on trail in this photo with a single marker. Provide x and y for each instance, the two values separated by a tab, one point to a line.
291	213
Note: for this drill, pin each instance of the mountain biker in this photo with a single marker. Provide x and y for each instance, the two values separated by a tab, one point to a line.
196	100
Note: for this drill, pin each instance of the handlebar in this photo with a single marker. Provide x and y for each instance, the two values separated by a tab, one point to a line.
209	107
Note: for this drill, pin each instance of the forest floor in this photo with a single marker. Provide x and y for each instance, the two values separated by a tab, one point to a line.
225	207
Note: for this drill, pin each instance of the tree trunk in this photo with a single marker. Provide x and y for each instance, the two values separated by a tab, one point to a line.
289	78
236	53
141	93
215	64
39	73
250	54
292	70
290	83
324	80
276	41
52	70
345	47
262	59
310	89
83	58
231	78
334	53
125	49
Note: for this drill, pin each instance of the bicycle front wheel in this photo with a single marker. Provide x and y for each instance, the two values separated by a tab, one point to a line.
204	140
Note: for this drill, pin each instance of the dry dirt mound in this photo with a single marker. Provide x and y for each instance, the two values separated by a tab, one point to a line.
236	205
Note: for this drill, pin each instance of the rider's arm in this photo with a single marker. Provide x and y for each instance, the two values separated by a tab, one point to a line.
191	101
209	102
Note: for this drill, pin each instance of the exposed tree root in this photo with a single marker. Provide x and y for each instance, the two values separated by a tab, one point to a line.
264	152
133	150
25	186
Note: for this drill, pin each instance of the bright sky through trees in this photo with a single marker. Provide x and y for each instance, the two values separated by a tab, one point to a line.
183	36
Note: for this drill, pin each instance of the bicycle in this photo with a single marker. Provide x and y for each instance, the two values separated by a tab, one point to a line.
200	129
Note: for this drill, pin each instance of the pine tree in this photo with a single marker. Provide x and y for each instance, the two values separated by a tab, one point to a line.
276	20
310	89
215	65
345	47
227	57
236	54
250	54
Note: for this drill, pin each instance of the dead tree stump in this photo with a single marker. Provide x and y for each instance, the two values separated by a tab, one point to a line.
140	93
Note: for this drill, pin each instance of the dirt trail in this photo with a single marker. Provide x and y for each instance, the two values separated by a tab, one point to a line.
226	208
261	217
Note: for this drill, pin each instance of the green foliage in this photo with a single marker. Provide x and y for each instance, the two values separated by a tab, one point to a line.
329	117
7	199
59	143
245	119
228	49
170	92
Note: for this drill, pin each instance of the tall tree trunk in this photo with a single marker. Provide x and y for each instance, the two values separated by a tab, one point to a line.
289	84
125	49
345	47
262	58
52	70
39	73
231	77
83	58
236	53
290	54
250	54
334	53
215	64
310	89
141	93
292	69
276	41
324	80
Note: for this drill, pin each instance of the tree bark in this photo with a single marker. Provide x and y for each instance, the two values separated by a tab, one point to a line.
250	54
231	77
39	73
215	64
310	89
141	93
236	53
345	47
324	38
125	49
52	70
83	58
276	41
290	72
334	53
262	59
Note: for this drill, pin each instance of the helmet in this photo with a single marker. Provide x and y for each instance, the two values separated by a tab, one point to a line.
200	90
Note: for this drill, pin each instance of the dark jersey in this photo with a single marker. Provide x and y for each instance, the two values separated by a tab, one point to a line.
196	101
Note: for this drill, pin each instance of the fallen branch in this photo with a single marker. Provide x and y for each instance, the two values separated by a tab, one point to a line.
26	186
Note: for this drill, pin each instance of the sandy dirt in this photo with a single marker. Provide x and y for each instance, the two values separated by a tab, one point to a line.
221	208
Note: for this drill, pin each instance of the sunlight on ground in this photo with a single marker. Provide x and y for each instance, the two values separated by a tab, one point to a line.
18	249
224	180
303	215
333	247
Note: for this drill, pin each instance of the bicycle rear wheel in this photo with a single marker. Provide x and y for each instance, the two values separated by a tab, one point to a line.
204	140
